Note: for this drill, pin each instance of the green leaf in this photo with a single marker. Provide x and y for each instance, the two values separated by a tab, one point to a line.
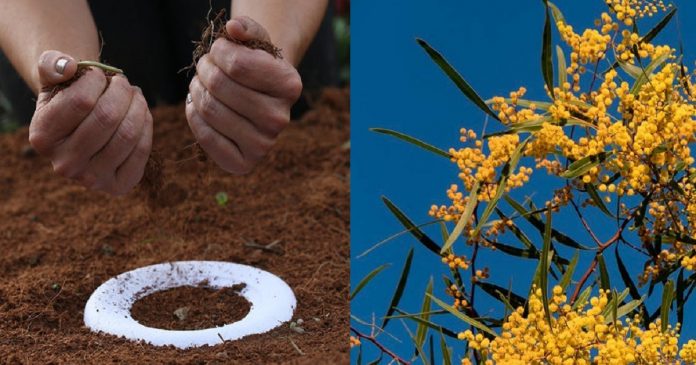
648	37
416	317
371	275
557	15
509	168
446	353
524	253
632	70
546	53
647	72
562	68
458	80
568	275
504	295
464	317
625	309
542	105
582	299
630	285
378	360
599	203
408	224
399	288
583	165
464	219
604	282
422	330
544	267
667	296
539	225
412	140
681	287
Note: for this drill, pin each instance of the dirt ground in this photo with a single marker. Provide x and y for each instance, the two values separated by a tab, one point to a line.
58	242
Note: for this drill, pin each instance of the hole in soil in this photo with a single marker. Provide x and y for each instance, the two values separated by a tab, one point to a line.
191	308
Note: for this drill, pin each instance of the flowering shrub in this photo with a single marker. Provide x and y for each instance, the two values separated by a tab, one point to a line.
617	131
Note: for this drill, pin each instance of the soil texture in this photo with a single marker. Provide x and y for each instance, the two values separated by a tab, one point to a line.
59	242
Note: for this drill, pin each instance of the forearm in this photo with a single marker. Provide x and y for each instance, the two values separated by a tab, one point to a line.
29	27
291	24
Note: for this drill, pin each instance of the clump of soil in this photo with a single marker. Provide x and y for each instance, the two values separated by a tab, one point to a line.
59	242
191	308
81	70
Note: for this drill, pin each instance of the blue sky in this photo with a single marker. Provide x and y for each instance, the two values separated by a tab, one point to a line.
496	46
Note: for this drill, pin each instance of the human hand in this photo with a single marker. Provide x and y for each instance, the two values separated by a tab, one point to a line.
96	132
240	98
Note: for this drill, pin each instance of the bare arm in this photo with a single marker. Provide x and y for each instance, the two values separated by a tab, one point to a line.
30	27
290	24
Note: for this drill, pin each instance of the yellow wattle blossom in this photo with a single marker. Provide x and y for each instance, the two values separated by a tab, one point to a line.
577	336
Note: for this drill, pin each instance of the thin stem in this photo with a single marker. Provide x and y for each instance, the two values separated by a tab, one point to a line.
381	347
99	65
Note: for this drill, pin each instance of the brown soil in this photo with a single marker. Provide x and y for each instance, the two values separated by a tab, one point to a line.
191	308
58	242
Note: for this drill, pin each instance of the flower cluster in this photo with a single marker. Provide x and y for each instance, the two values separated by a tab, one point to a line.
583	334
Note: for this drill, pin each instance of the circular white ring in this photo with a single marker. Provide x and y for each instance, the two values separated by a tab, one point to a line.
108	308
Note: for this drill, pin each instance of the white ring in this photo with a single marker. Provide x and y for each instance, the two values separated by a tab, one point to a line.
60	65
108	308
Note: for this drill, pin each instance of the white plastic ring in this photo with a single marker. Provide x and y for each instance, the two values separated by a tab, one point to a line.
108	308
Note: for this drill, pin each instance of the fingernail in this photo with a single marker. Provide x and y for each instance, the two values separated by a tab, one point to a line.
60	65
188	98
240	22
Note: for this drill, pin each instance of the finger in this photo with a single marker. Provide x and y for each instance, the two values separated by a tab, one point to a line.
57	119
72	157
122	143
55	67
220	149
132	170
252	144
244	28
256	69
269	115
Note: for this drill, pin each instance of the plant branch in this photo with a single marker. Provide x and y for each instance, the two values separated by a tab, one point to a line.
381	347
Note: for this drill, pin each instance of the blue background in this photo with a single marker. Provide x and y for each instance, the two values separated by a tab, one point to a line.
496	46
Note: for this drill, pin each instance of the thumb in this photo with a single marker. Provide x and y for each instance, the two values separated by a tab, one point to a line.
244	28
55	67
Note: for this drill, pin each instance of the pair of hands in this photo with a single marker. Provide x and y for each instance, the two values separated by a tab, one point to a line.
100	133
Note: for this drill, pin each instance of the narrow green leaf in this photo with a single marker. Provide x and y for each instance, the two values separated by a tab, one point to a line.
359	360
539	225
416	317
541	105
458	80
604	282
632	70
568	275
544	267
625	276
583	165
667	296
378	360
582	299
546	53
681	287
509	168
446	353
366	280
408	224
647	72
625	309
422	330
443	232
556	12
562	68
513	300
464	317
598	202
400	286
464	219
524	253
648	37
412	140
